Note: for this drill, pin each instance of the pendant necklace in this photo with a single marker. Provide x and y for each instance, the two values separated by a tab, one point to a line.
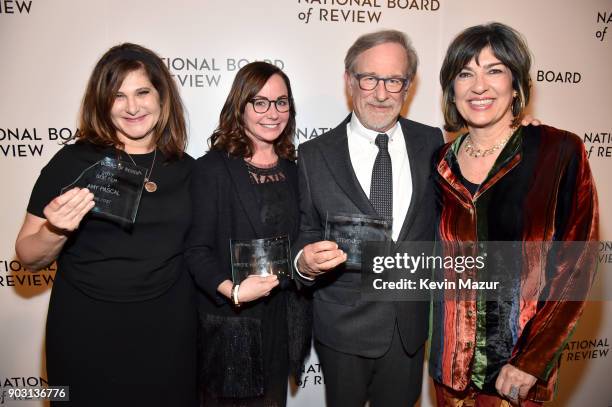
149	186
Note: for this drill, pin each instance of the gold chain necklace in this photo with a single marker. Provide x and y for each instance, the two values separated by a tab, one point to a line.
149	186
473	151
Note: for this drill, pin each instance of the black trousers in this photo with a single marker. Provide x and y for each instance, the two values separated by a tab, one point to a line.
392	380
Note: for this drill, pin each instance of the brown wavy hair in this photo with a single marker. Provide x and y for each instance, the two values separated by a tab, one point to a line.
230	136
95	123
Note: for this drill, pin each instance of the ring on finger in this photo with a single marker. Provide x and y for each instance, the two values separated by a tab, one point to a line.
513	393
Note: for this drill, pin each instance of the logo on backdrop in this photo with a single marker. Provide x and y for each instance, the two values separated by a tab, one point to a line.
586	349
21	142
15	6
312	375
605	252
603	19
306	133
358	11
12	382
13	274
545	75
598	144
206	72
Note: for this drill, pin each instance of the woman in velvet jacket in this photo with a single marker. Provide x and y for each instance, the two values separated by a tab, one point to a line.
252	334
506	182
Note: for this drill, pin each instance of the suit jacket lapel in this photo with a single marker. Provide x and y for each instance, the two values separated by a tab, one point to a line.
418	170
336	155
246	194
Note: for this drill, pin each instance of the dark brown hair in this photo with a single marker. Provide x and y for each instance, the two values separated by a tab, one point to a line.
507	45
95	123
230	136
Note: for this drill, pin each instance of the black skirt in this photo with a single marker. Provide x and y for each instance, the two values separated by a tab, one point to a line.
123	353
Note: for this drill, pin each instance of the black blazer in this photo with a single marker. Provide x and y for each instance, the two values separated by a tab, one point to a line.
327	183
224	208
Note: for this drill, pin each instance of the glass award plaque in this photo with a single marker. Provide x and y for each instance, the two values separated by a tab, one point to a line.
261	257
117	188
350	231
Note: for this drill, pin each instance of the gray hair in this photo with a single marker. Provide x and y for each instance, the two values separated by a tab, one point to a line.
367	41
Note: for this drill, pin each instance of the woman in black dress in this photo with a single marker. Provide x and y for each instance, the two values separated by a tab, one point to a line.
254	333
121	327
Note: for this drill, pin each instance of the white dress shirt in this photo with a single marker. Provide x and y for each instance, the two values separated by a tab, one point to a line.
362	152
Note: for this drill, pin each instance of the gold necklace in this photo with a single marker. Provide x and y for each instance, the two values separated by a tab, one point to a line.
149	186
471	150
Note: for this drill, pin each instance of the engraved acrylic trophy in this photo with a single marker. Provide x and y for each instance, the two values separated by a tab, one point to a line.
350	231
262	257
117	188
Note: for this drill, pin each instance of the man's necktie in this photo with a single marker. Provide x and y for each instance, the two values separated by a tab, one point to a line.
381	189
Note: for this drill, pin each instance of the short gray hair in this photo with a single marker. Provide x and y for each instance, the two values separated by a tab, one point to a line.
367	41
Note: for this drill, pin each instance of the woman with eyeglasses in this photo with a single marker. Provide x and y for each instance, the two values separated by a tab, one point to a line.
255	332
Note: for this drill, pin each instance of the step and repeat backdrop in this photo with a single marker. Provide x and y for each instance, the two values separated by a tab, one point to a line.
49	47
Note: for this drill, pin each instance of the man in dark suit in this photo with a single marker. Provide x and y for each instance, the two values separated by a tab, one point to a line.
374	163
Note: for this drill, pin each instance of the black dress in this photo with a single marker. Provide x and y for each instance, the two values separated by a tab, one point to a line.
121	327
275	203
246	353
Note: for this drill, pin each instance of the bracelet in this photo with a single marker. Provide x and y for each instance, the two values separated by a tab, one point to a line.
234	296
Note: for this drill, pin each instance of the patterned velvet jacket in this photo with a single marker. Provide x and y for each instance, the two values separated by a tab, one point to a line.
540	189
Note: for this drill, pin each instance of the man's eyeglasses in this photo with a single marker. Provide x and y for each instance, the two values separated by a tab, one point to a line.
262	105
369	82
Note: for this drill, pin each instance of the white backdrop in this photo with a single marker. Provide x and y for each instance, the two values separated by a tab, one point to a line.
48	48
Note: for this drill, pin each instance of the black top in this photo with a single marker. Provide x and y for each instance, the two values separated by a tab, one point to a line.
274	198
111	262
470	186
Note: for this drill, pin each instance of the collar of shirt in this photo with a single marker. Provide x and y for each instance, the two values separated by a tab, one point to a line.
369	136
